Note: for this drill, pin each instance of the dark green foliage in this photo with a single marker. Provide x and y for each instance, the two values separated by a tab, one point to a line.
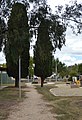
72	16
35	82
56	29
2	32
80	68
57	32
6	6
1	37
43	24
50	35
18	41
62	69
43	52
73	70
31	67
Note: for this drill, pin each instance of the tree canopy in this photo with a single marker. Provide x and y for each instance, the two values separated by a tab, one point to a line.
80	68
71	16
62	69
41	23
56	29
1	34
43	53
50	35
17	43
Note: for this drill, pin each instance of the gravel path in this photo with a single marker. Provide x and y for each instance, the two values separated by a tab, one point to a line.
66	90
32	108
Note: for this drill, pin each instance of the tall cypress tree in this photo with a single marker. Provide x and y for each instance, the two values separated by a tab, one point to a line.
18	42
50	32
43	52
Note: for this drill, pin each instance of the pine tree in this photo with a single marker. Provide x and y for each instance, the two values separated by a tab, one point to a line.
18	42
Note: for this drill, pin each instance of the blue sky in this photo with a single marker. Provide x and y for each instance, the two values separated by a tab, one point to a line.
71	53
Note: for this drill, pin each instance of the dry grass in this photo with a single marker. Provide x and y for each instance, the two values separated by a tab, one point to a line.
67	108
8	97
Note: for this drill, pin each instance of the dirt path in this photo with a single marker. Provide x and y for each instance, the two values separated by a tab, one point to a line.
32	108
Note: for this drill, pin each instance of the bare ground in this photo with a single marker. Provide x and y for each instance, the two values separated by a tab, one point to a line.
32	108
66	90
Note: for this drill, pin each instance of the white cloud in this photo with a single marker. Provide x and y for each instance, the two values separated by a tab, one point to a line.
57	2
2	58
62	2
72	52
67	59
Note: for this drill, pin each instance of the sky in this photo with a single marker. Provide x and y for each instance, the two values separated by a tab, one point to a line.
2	58
71	52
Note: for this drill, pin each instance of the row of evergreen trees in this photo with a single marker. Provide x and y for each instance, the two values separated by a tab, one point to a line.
48	29
18	41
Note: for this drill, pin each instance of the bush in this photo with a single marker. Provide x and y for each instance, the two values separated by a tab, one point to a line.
70	79
34	82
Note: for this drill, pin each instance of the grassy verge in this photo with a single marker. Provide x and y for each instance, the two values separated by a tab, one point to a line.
9	96
66	108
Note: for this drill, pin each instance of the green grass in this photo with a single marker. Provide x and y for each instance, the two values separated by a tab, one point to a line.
66	108
8	97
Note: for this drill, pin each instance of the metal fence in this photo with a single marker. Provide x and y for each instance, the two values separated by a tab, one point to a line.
5	79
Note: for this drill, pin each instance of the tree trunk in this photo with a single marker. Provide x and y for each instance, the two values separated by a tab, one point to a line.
42	81
80	83
16	82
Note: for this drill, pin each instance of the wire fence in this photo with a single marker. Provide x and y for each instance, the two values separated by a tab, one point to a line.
5	79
